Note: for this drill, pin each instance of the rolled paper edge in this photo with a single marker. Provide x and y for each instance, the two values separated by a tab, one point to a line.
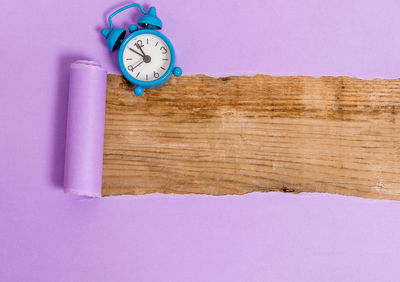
85	129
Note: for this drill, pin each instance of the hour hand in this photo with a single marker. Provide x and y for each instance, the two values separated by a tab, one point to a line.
133	50
140	48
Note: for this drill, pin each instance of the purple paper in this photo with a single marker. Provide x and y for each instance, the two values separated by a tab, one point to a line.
85	129
46	235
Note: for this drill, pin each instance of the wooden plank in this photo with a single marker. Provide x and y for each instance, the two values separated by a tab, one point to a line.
235	135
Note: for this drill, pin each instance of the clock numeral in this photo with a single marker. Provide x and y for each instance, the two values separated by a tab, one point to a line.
164	50
131	67
140	43
156	74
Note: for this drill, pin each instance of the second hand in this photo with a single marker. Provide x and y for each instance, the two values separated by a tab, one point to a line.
137	65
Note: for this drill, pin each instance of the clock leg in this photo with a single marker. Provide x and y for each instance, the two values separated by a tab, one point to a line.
177	71
138	90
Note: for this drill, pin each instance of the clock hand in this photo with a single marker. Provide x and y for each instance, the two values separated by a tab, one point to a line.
146	58
136	52
137	65
140	48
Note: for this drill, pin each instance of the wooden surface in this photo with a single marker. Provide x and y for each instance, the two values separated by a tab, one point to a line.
236	135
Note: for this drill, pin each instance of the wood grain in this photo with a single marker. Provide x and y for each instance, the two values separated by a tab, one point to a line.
236	135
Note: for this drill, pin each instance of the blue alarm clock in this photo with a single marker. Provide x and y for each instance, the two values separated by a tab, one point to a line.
146	57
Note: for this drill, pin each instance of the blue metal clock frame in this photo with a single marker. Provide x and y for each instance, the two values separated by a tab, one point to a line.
116	38
146	84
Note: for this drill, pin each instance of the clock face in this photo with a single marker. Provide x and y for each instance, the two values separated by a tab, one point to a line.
146	57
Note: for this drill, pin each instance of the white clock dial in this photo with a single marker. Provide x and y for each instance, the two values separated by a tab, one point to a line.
146	57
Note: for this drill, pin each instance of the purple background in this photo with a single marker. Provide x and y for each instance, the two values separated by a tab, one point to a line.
46	235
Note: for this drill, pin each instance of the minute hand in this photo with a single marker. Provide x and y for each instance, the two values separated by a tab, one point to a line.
133	50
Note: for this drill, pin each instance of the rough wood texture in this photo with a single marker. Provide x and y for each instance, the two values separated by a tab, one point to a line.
236	135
